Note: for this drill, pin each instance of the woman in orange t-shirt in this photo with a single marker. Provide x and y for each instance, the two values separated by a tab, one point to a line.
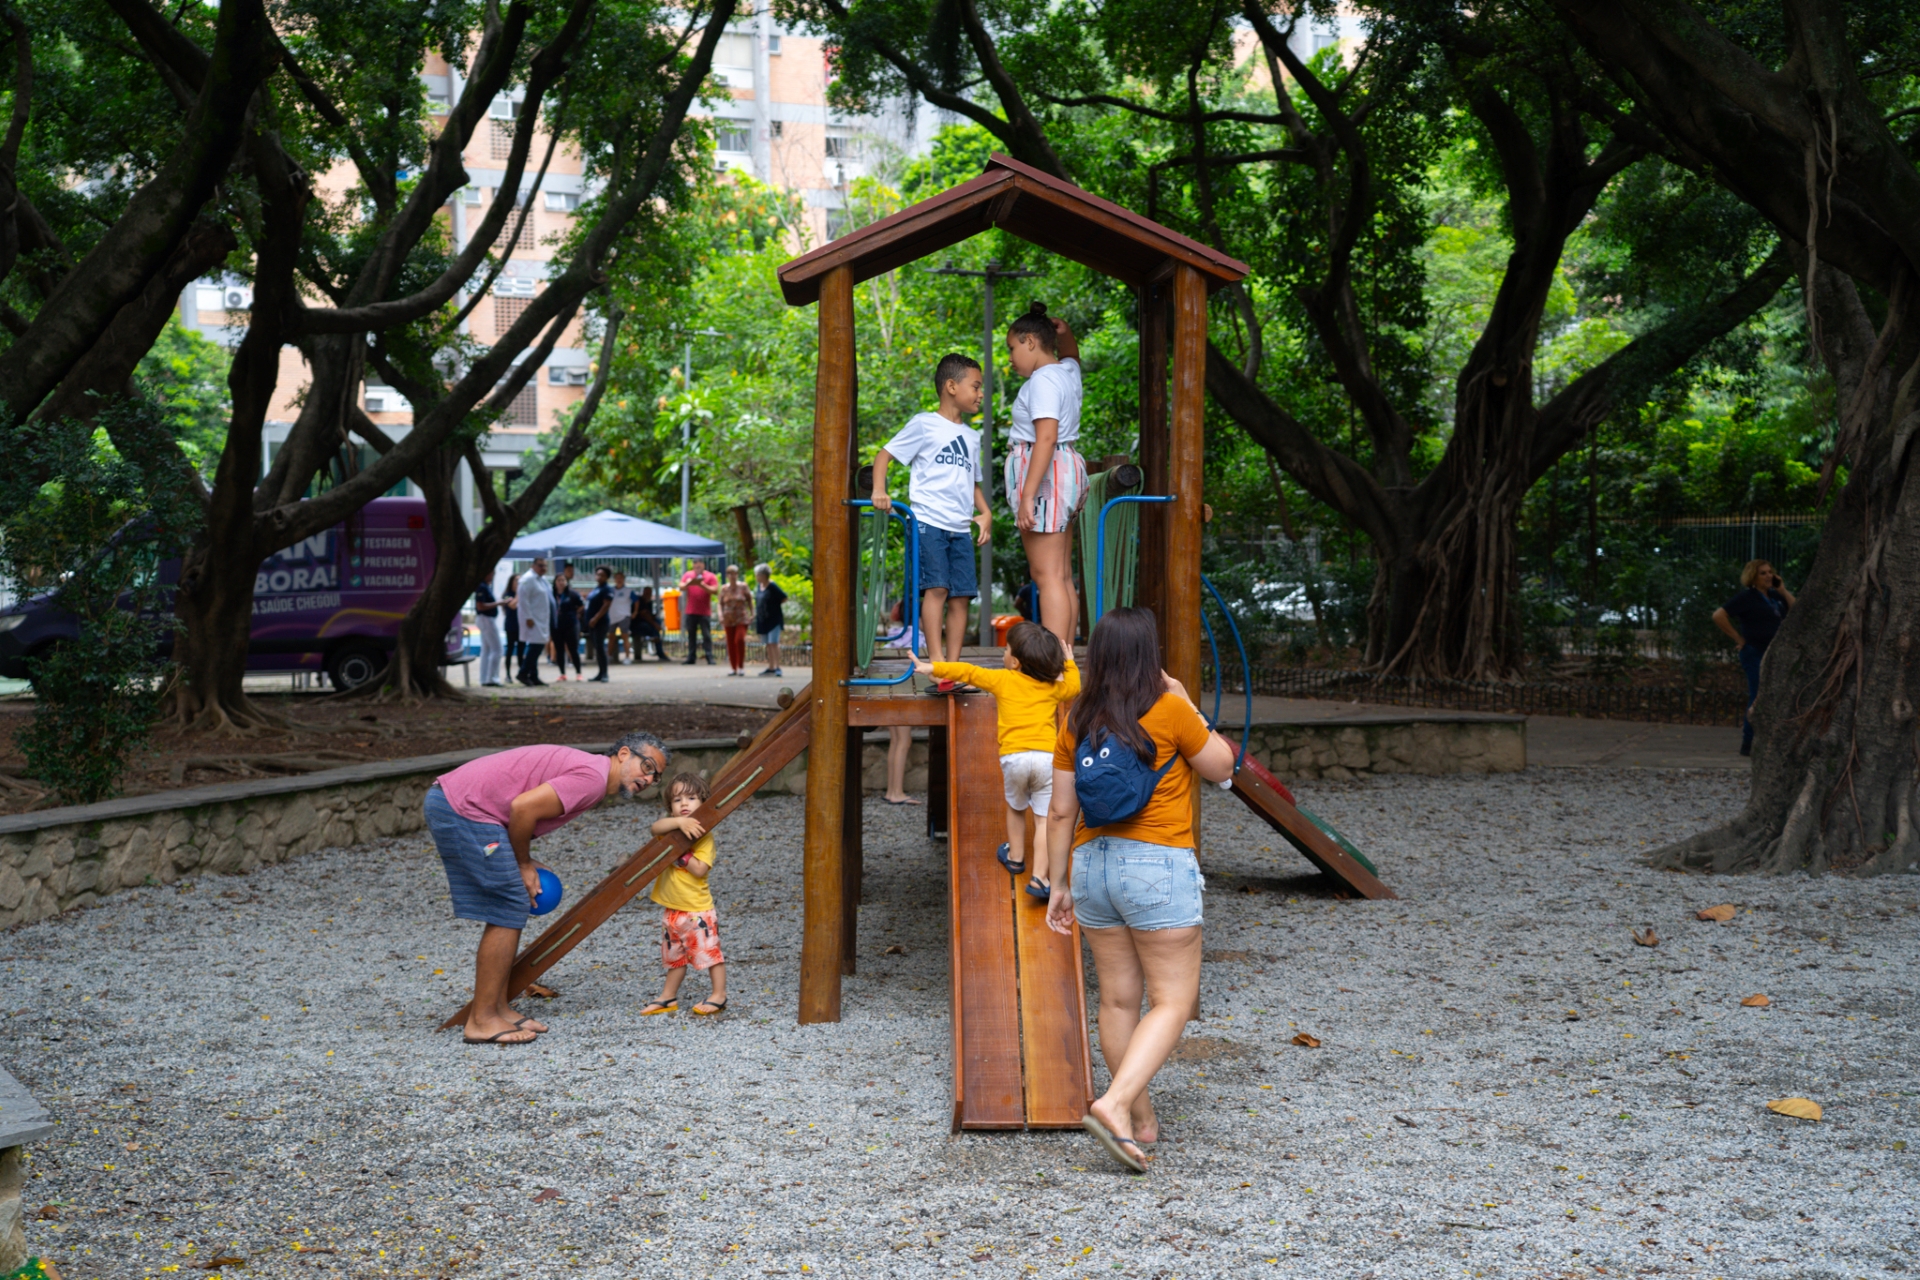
1135	887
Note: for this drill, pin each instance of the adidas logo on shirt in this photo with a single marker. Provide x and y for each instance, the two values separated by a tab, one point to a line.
955	454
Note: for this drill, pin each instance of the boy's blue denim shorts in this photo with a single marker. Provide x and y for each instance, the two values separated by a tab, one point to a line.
947	562
1142	886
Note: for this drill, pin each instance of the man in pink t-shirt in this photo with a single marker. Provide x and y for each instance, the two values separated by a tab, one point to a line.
696	608
484	817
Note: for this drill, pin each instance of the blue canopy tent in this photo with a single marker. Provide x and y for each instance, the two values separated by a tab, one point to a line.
609	535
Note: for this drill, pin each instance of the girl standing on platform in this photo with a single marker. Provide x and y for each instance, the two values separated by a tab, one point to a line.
1046	477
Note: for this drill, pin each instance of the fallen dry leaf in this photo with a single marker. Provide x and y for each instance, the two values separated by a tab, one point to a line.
224	1260
545	1194
1306	1041
895	950
1722	912
48	1213
542	990
1801	1108
1756	1002
1646	937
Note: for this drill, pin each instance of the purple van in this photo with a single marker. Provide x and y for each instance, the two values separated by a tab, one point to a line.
332	602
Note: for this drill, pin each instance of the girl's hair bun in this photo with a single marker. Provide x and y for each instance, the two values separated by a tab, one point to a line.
1038	310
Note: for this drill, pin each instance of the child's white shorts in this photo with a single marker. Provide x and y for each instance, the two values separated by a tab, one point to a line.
1029	780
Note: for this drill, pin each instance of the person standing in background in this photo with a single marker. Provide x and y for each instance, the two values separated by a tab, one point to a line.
486	615
696	608
646	625
736	614
1758	610
566	635
618	611
599	607
535	596
510	628
769	615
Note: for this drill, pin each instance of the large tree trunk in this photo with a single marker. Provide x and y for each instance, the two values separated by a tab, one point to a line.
418	668
1836	757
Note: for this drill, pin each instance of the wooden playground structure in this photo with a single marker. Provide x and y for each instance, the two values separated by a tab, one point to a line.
1021	1054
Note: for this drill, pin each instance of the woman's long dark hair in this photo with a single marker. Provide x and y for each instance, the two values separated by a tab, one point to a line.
1122	680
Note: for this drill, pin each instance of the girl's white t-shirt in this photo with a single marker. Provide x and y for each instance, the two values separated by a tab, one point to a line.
1052	392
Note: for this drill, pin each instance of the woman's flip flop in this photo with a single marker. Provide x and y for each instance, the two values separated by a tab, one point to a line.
1113	1143
501	1038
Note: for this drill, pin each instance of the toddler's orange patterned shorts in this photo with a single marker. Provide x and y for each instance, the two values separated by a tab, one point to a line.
691	937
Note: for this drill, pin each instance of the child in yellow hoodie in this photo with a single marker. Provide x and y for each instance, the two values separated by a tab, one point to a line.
1040	677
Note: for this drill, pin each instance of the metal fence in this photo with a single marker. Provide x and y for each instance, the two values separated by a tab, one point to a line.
1595	701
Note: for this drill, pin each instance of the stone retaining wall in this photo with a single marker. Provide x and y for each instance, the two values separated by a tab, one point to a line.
1340	749
59	859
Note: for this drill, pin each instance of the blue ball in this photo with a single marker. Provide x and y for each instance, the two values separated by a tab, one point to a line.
550	892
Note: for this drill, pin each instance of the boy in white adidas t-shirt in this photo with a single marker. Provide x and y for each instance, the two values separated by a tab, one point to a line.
942	455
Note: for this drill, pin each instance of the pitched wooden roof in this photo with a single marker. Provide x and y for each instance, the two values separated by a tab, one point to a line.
1017	198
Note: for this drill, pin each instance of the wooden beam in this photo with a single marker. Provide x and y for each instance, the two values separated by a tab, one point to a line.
873	713
1150	579
1186	458
1186	462
853	853
823	943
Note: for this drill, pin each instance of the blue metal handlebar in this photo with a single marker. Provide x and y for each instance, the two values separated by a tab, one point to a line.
1099	601
904	514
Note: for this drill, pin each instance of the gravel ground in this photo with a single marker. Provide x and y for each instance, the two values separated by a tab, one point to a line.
245	1068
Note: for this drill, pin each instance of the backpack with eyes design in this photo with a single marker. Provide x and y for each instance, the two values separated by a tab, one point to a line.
1113	783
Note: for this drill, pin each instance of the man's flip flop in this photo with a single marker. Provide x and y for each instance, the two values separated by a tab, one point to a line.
1006	848
500	1039
539	1031
908	800
717	1008
1113	1143
659	1007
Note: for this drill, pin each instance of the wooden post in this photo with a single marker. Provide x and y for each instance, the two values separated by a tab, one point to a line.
1186	457
823	946
853	853
1150	581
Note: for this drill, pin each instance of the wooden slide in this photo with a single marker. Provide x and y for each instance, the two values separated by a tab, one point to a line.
1020	1053
1267	796
772	749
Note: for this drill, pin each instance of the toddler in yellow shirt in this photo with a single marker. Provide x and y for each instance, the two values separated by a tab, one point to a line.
692	935
1040	677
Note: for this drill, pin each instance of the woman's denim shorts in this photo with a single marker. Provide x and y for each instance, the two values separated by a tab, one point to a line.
1130	882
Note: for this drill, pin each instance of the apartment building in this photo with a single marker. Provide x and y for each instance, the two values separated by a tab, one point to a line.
771	120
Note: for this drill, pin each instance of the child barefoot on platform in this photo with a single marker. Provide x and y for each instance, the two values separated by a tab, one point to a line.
692	934
1040	676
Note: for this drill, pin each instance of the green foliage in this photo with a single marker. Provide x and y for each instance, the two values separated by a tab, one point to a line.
186	377
79	521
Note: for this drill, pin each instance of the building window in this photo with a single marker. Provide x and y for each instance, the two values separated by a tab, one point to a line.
470	194
524	411
731	137
734	50
562	201
842	146
775	129
773	46
505	312
500	141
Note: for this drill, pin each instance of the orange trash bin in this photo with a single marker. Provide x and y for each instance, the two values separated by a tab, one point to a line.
670	605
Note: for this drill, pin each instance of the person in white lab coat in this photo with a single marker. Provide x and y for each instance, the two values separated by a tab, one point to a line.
536	619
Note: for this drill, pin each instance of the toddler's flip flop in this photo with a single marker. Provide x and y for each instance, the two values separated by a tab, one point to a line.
657	1007
1040	889
712	1008
1003	853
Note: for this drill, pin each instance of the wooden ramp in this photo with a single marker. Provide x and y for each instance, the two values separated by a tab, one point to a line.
772	749
1266	796
1020	1054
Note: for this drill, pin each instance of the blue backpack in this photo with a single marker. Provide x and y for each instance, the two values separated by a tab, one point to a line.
1112	782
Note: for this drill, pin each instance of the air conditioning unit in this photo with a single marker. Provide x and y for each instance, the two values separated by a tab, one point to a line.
577	377
238	298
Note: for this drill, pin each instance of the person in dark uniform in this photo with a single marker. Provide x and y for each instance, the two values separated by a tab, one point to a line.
566	632
1750	620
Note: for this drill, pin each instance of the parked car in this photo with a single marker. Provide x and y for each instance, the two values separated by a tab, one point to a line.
332	602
